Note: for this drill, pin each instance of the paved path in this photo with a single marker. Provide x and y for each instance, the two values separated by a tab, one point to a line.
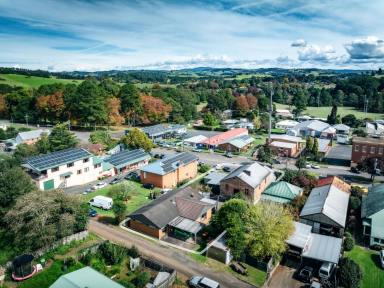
177	260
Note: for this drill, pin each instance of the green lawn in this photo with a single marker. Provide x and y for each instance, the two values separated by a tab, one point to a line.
150	85
323	112
373	274
31	81
139	197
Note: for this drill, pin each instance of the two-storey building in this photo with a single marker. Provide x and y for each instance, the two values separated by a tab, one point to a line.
364	148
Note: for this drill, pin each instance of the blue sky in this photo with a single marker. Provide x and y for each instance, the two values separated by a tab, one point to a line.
117	34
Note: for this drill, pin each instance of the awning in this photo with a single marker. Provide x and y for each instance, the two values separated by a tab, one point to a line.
66	174
323	248
186	225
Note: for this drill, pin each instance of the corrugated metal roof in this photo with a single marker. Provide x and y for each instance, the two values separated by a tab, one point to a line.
242	141
215	177
323	248
280	144
160	129
85	277
127	157
329	201
300	236
373	202
226	136
252	174
170	163
282	190
315	125
196	139
28	135
341	127
323	145
186	225
286	138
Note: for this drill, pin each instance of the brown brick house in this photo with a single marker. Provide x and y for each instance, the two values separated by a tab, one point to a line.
183	211
250	179
286	145
170	171
364	148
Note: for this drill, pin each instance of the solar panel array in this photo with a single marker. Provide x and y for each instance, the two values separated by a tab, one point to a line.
127	156
170	164
58	158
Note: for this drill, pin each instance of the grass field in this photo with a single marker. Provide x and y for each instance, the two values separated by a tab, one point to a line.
139	197
150	85
373	275
323	112
31	81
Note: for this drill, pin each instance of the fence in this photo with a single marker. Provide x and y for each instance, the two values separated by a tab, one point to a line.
160	268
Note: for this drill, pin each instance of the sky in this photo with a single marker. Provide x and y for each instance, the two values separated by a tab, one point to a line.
96	35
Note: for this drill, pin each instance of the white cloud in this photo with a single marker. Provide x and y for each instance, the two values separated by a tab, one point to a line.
367	48
299	43
317	53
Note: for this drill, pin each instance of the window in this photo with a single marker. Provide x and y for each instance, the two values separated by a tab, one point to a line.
97	165
373	150
145	175
86	169
55	169
381	150
377	240
356	148
364	150
246	190
204	216
85	160
78	172
70	164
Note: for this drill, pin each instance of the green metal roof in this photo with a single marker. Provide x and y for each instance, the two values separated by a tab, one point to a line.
85	277
282	190
106	166
96	160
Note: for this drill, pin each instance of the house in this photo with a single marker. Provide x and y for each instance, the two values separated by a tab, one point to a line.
372	215
283	113
85	277
195	140
30	137
180	213
286	145
374	129
63	168
326	210
249	179
335	181
238	144
161	131
364	148
213	179
286	124
281	192
342	129
313	247
128	160
224	137
314	128
324	147
238	123
170	171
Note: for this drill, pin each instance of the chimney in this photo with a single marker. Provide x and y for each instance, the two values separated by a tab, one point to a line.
247	172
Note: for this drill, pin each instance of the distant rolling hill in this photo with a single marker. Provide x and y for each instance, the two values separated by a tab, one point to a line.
32	81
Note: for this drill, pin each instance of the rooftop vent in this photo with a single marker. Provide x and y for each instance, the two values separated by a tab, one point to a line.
247	172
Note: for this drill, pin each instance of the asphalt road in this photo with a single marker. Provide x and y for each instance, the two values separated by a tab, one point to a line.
173	258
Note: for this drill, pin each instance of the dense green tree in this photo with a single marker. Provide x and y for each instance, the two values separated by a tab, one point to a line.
131	105
43	145
119	210
102	137
331	119
61	138
300	163
24	150
350	273
309	144
210	120
136	139
315	147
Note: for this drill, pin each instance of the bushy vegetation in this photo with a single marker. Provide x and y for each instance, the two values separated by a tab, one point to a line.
350	273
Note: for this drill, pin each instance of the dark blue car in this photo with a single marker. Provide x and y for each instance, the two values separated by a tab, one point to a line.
92	213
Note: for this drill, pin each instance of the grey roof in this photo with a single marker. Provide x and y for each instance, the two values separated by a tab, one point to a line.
170	163
252	174
32	134
315	125
214	178
373	202
323	144
242	141
186	224
323	248
300	236
54	159
127	157
341	127
329	201
161	129
85	277
161	211
286	137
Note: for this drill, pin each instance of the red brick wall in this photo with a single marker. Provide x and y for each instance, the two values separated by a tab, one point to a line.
362	151
151	231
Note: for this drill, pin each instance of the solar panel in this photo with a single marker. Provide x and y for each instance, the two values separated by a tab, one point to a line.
127	156
172	163
58	158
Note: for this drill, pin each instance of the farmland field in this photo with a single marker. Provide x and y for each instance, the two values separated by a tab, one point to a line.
323	112
32	81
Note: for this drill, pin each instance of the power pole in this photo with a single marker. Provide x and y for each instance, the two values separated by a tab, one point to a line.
270	114
26	118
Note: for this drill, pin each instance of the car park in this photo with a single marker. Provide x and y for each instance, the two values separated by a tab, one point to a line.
305	274
202	282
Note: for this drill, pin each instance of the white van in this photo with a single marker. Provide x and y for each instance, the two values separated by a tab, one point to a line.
326	270
101	202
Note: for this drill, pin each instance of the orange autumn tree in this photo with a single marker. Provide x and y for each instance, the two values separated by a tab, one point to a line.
50	107
3	106
114	107
244	103
155	109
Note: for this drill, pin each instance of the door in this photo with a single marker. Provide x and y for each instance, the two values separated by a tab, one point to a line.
48	185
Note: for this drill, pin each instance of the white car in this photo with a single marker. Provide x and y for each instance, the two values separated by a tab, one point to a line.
99	185
308	166
202	282
382	258
315	166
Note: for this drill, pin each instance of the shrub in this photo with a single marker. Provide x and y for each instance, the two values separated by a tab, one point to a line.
133	252
141	279
354	202
126	284
349	243
203	168
112	254
350	273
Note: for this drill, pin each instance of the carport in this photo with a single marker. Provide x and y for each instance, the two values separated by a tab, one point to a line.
323	248
185	228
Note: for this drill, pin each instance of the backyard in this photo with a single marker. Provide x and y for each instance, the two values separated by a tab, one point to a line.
323	112
137	196
369	261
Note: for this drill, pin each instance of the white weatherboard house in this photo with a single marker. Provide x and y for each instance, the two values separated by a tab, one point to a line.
65	168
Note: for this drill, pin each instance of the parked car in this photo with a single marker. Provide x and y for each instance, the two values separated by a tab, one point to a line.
227	169
308	166
99	185
326	270
306	274
162	156
92	212
102	202
86	191
115	181
315	166
196	150
148	186
315	284
228	155
381	255
202	282
355	170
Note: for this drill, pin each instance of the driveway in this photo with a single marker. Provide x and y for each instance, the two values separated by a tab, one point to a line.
175	259
283	278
